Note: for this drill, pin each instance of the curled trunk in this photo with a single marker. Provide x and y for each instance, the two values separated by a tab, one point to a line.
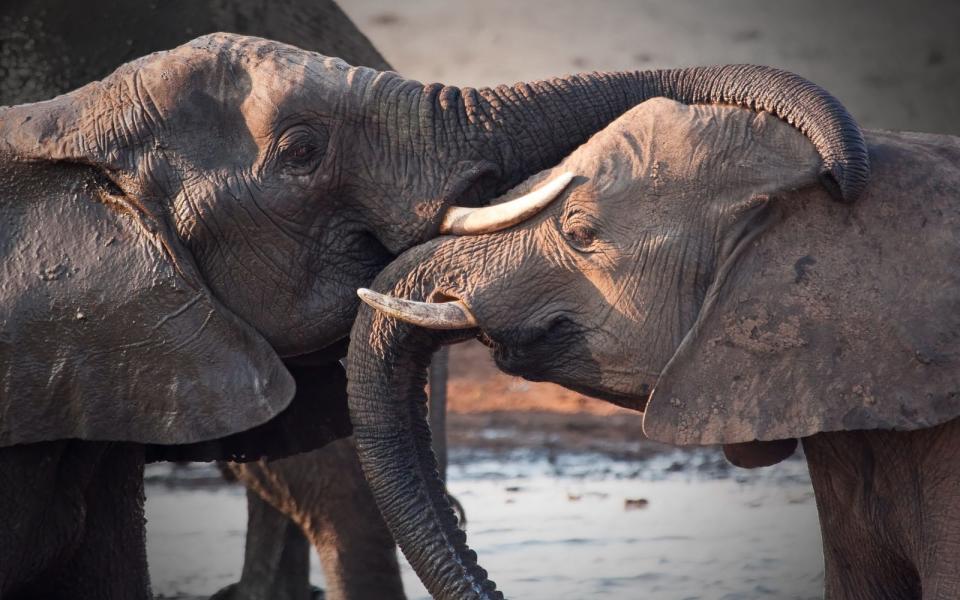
534	125
387	372
494	138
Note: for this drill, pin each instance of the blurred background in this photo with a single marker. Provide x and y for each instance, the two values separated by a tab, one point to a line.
895	65
565	497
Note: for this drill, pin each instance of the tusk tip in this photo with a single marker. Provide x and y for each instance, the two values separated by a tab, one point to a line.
370	297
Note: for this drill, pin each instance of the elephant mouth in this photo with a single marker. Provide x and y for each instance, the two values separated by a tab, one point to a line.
534	353
553	355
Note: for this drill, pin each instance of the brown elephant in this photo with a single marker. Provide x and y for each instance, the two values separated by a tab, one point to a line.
175	231
695	269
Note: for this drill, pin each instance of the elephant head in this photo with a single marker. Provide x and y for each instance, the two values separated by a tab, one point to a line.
172	229
694	269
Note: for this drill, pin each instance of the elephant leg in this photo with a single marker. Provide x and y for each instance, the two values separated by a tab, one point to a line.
856	570
944	582
939	516
73	521
357	552
276	560
109	561
860	561
325	494
42	513
888	502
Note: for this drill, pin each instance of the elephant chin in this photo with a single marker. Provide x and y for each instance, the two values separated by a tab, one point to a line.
751	455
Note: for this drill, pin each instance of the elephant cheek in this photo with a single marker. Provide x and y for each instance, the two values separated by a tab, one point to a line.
750	455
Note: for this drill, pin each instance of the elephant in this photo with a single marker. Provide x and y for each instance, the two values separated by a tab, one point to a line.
692	267
225	199
48	52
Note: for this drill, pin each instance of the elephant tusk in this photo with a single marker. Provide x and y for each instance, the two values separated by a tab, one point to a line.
460	220
443	315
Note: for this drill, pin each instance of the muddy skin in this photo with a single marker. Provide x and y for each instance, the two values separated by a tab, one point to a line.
704	275
276	563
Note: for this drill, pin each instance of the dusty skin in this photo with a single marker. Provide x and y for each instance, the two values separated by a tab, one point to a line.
231	194
910	84
699	272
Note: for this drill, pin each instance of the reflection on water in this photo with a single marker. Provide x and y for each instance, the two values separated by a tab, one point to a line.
567	527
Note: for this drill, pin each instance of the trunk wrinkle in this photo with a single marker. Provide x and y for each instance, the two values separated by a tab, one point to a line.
389	409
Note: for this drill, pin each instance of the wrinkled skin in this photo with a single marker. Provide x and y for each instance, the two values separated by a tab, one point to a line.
695	270
72	44
182	224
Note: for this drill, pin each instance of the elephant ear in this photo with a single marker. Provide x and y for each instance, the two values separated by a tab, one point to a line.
830	318
107	331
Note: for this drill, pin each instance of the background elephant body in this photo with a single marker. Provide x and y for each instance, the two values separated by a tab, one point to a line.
695	270
325	494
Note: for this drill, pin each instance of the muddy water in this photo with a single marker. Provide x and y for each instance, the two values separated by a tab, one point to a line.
678	526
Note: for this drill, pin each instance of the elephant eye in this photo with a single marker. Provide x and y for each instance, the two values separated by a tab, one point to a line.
582	236
300	150
578	233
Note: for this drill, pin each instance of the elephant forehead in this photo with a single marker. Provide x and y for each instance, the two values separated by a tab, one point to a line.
665	147
658	130
231	68
304	82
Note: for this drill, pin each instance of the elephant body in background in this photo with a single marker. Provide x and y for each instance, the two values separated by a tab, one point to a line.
177	233
324	494
697	271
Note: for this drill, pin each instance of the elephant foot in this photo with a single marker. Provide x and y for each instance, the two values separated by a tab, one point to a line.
233	592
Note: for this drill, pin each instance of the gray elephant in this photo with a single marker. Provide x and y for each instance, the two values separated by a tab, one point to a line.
696	270
58	45
172	231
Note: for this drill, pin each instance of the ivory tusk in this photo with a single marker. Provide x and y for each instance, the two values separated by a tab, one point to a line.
442	315
459	220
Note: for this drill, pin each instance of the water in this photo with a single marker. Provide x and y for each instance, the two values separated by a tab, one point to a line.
561	527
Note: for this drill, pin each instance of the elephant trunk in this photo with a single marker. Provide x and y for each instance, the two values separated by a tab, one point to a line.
488	140
388	363
534	125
